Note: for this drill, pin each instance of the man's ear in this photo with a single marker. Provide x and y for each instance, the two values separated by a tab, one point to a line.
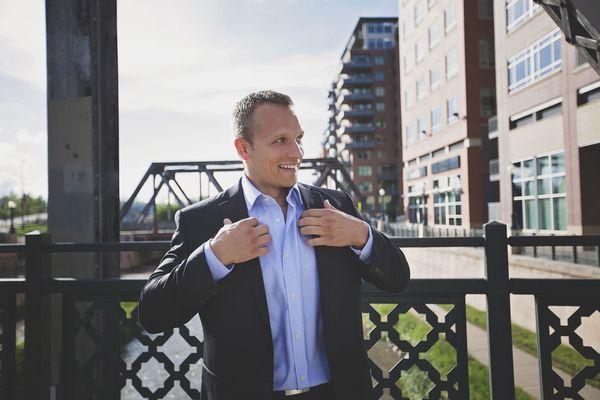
242	148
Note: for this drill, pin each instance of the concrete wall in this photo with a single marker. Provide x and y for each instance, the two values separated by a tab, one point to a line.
470	263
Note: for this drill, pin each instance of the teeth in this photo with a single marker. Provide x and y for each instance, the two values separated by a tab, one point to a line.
288	166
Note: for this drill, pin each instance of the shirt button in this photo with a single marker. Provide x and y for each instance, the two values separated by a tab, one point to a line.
277	220
297	336
285	255
292	295
301	377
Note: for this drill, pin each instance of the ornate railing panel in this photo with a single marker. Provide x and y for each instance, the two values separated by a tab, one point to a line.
551	330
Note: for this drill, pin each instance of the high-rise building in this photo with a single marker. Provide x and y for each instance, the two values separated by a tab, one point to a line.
364	125
548	125
448	94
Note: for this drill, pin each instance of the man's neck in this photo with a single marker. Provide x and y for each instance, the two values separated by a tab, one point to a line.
279	194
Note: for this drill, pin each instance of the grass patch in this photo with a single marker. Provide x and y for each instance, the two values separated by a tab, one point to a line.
30	227
414	382
564	357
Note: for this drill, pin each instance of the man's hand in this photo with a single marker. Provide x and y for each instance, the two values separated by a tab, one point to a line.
240	241
333	227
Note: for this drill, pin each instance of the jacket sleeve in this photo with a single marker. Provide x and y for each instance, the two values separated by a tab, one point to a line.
180	285
388	269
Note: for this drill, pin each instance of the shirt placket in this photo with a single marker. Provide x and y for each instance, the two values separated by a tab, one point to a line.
295	309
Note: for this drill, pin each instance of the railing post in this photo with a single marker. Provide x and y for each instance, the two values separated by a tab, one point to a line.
502	381
36	356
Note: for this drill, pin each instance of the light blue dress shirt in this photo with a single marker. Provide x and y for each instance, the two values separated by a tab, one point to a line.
289	272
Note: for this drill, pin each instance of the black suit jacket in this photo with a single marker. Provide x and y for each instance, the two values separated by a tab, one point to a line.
238	348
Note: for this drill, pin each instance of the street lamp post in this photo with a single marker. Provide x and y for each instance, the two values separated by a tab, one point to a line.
382	203
11	206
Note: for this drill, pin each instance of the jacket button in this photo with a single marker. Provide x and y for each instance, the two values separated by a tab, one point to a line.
267	386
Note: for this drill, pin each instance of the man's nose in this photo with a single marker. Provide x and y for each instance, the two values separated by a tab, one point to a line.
297	151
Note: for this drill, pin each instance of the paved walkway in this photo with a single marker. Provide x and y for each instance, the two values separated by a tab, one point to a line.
526	366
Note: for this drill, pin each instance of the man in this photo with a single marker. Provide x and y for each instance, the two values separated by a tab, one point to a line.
274	269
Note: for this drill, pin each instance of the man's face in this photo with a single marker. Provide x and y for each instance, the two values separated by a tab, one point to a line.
276	149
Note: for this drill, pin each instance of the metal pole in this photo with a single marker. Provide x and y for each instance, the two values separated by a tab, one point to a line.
501	371
36	370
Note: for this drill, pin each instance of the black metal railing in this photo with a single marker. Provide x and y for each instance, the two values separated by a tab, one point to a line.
98	320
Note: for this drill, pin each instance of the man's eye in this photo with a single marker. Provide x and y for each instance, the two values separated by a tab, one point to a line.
280	140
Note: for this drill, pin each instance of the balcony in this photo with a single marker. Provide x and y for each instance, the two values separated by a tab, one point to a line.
356	65
355	114
357	128
352	98
367	144
355	81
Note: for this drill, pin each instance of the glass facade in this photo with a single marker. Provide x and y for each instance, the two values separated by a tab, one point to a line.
539	193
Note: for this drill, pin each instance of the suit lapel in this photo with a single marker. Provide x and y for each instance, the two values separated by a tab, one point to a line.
234	208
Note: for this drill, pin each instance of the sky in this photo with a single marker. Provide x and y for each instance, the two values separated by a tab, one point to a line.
182	66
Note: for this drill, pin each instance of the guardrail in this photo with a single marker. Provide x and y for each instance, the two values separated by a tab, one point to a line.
105	312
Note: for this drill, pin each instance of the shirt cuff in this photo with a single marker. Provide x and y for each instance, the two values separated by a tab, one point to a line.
366	253
217	269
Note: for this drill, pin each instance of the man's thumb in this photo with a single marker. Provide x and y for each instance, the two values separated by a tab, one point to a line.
226	221
328	204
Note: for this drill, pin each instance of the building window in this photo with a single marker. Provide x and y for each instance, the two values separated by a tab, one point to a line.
518	11
431	3
421	129
537	115
380	123
379	91
450	17
417	209
365	170
408	98
539	193
380	106
418	12
410	133
379	76
379	154
535	62
434	78
379	60
485	9
486	53
452	108
588	96
488	102
363	155
434	35
365	186
407	59
420	88
407	26
451	63
436	119
447	208
420	50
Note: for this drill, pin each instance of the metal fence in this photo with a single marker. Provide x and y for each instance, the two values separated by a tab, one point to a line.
98	317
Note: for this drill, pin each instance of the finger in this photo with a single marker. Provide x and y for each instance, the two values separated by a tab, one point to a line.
252	221
226	221
263	240
316	241
313	212
260	229
327	204
312	230
310	221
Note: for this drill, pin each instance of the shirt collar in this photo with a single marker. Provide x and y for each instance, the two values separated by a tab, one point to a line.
251	193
